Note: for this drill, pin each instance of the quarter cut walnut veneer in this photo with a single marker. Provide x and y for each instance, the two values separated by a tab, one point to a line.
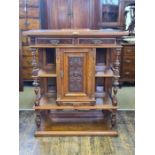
67	66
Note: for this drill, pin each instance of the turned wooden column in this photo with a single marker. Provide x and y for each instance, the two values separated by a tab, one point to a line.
116	70
36	85
116	76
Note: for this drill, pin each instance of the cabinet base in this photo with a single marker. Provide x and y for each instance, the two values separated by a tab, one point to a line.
75	133
76	123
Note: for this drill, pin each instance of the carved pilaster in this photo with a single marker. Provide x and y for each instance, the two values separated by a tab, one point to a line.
35	73
116	75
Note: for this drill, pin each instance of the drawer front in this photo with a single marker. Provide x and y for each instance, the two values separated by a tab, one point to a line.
95	41
27	61
54	41
24	41
26	51
32	12
32	24
128	64
30	3
27	73
129	51
129	74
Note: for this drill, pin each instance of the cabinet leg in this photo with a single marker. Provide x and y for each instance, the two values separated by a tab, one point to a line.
38	119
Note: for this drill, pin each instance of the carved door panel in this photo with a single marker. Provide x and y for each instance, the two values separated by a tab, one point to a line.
76	70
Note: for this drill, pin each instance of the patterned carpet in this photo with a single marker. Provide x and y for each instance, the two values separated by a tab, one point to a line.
126	98
124	144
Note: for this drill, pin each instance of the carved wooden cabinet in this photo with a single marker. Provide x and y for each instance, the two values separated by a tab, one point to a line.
76	81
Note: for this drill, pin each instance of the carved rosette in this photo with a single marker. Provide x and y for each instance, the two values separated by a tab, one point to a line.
116	75
35	73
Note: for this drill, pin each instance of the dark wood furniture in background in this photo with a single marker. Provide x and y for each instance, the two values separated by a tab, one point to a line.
128	63
81	64
20	63
28	19
93	14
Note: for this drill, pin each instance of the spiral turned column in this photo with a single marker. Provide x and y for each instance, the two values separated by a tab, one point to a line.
116	76
36	85
115	84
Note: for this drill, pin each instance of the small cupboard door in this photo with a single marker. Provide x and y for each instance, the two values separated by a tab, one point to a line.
76	75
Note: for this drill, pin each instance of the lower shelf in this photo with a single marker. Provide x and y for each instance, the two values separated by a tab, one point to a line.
91	123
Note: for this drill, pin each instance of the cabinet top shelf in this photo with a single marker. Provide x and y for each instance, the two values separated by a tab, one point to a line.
77	32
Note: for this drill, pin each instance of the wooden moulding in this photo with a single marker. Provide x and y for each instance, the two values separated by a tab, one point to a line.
75	133
91	123
43	74
50	104
75	46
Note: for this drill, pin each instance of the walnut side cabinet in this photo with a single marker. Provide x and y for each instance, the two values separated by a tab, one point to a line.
75	81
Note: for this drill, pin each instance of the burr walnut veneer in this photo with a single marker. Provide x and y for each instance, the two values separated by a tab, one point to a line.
75	71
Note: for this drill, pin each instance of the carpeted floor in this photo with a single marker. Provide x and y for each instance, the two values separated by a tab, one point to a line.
124	144
126	98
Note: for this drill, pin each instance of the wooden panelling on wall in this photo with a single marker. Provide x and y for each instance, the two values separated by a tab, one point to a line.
31	3
32	12
29	18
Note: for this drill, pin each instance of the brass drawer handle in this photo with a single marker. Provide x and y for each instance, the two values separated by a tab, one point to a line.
128	61
127	73
129	50
96	41
54	42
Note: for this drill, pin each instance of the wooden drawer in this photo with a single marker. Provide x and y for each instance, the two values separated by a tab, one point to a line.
128	64
26	51
96	41
128	74
27	73
24	41
33	3
27	61
31	12
33	24
54	41
129	51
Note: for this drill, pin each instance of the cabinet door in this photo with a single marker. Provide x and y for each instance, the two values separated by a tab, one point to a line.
82	11
110	12
62	14
75	70
58	14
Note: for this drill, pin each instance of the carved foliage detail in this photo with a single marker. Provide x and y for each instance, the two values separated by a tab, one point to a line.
75	72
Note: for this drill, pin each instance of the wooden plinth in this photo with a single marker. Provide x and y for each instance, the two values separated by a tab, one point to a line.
91	123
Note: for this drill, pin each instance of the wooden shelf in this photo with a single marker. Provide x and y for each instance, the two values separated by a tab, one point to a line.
43	74
50	104
76	46
71	123
108	73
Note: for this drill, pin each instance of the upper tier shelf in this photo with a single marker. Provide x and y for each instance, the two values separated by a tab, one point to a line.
74	38
76	32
